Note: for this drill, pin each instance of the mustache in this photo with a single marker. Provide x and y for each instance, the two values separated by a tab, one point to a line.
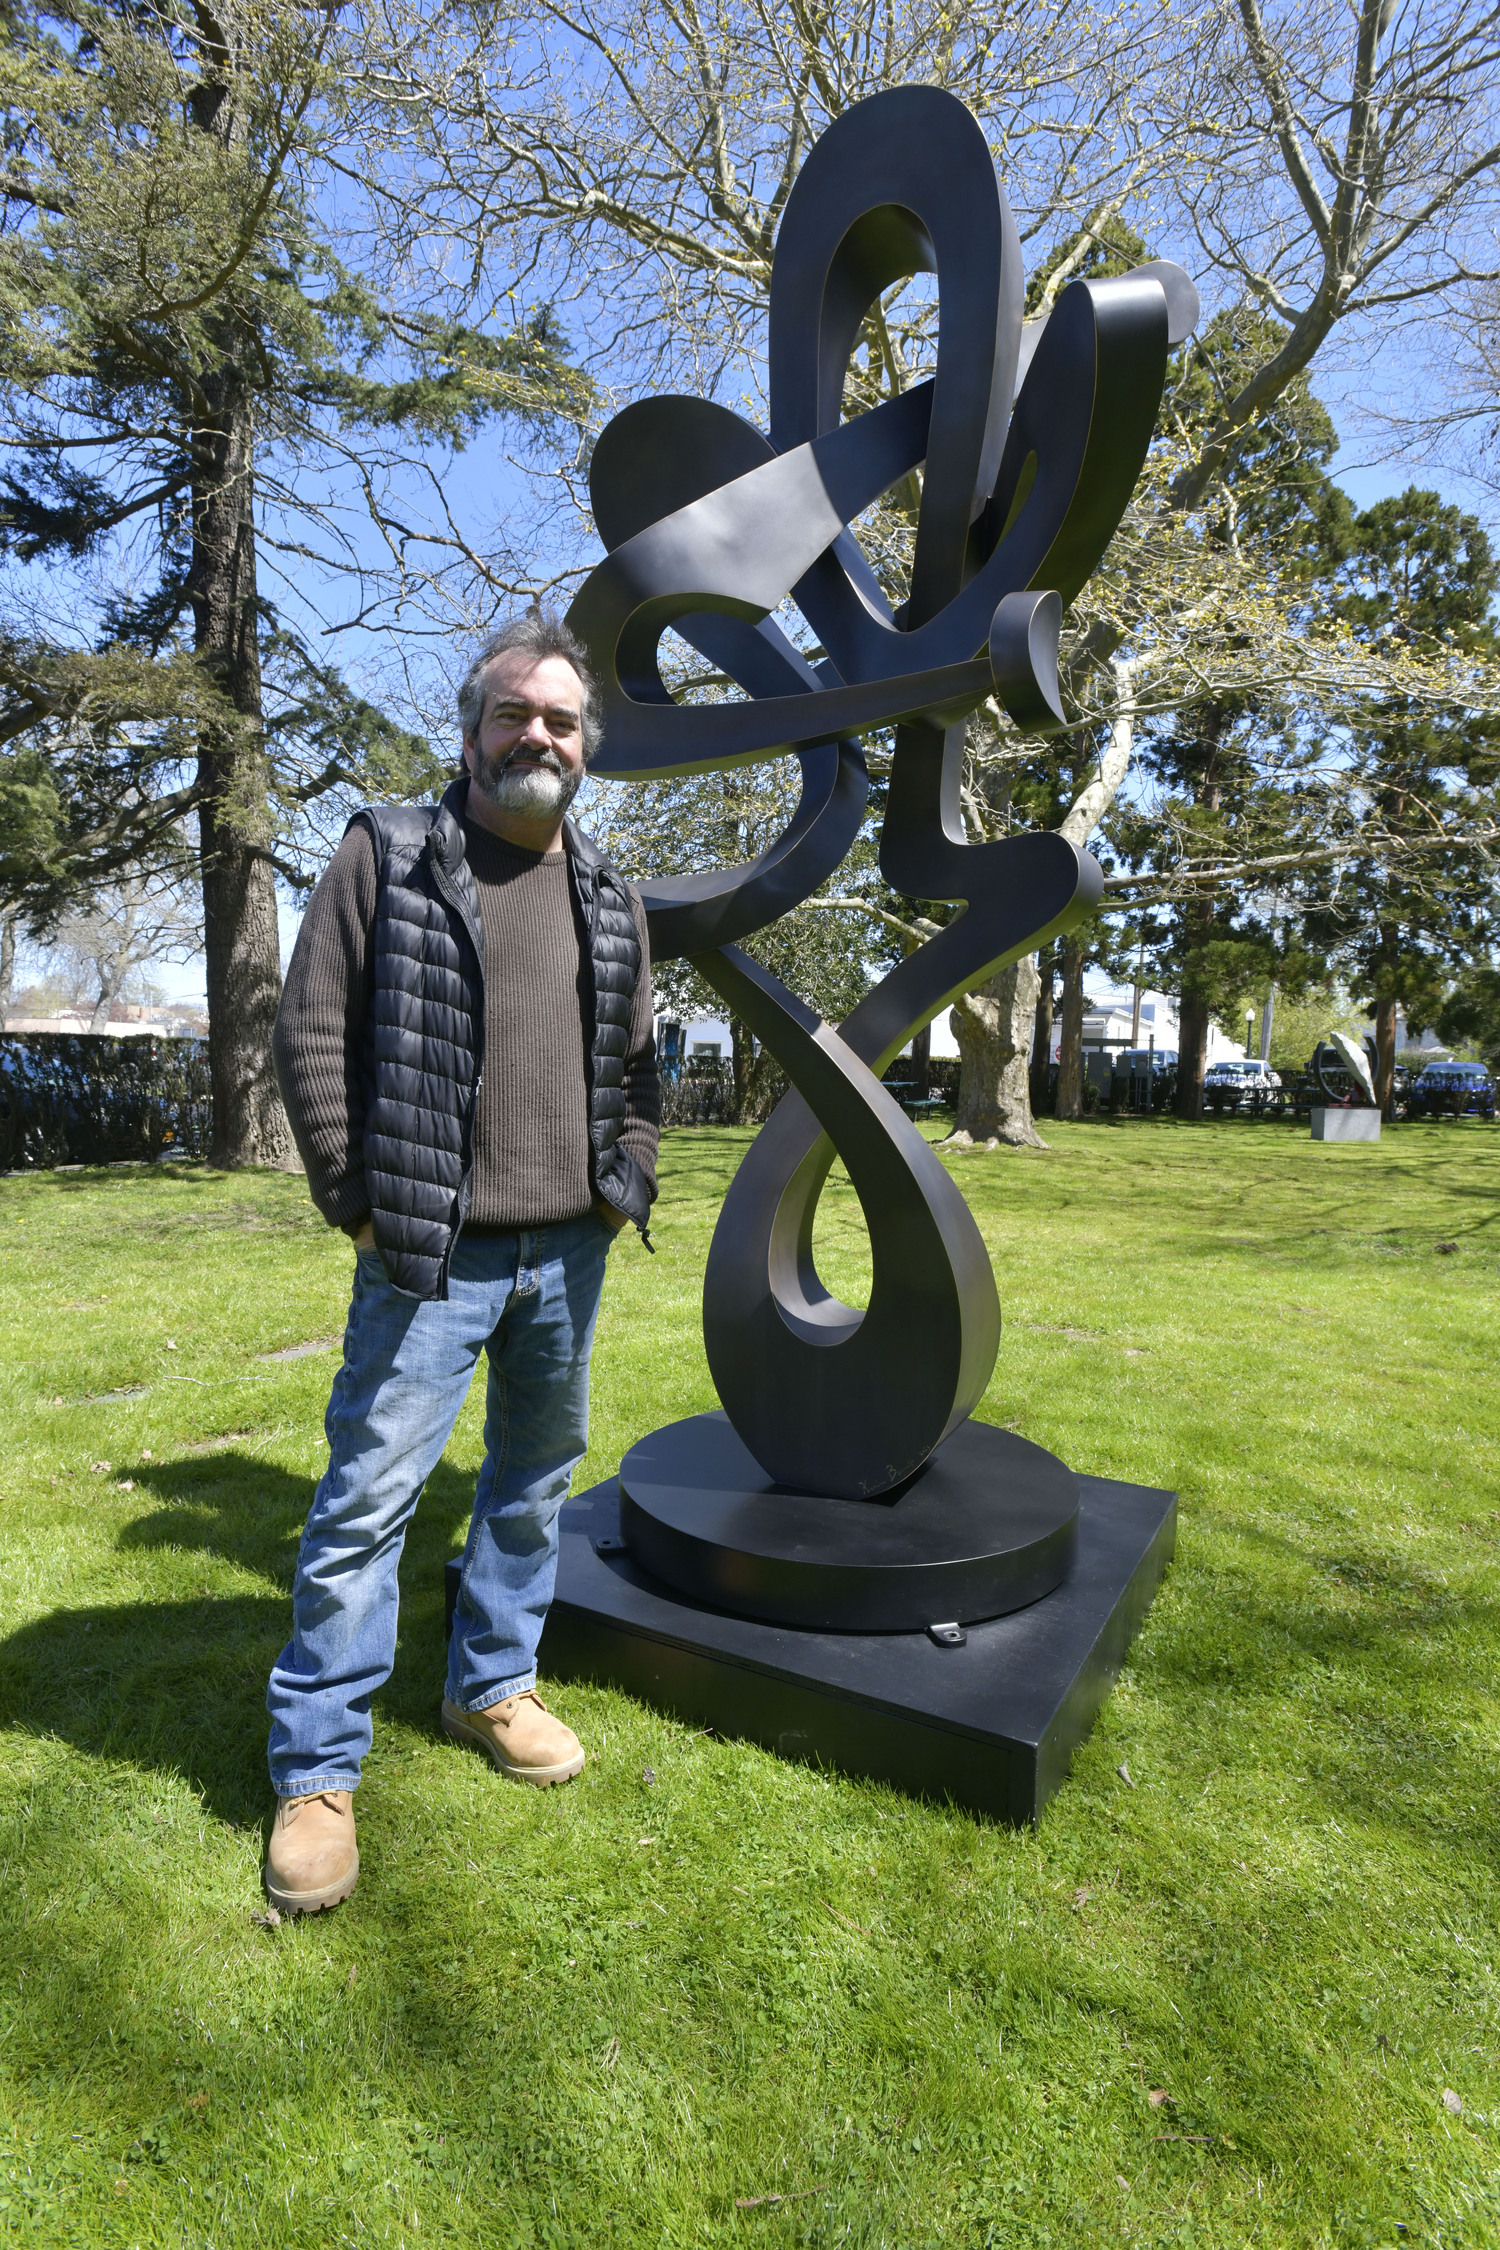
548	760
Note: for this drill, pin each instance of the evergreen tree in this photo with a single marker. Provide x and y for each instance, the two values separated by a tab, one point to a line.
1227	768
1418	573
181	348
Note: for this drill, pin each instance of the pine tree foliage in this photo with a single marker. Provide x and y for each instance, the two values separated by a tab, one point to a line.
1408	922
151	265
188	361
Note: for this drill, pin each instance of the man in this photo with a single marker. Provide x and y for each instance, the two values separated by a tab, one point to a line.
464	1048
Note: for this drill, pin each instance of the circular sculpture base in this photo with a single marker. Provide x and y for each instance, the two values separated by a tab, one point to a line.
988	1524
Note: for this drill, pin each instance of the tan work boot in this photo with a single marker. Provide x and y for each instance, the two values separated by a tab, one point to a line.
521	1737
313	1860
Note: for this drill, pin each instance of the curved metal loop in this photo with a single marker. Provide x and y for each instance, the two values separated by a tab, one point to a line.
674	449
856	1400
710	526
735	522
897	186
829	1399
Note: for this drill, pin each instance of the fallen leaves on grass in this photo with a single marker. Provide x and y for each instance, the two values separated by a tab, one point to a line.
1124	1773
270	1920
1157	2096
648	1775
1081	1897
102	1468
1452	2103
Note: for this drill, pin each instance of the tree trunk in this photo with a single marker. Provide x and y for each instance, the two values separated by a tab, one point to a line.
1192	1020
1192	1056
240	940
993	1028
1385	1057
921	1064
1070	1050
113	968
7	963
742	1069
1041	1031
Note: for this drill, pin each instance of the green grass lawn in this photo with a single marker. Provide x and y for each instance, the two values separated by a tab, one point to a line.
1249	1995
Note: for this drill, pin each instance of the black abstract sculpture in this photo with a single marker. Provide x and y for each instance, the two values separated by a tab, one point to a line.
845	1491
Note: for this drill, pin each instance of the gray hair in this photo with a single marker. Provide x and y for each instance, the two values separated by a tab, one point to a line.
537	634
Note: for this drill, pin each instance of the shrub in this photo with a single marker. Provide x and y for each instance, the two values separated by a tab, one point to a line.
78	1098
703	1095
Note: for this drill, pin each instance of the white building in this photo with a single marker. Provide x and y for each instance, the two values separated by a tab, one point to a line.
705	1038
1110	1025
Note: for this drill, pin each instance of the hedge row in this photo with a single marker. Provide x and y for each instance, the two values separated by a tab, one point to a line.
76	1098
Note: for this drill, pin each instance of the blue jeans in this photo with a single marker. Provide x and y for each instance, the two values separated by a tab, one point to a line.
529	1300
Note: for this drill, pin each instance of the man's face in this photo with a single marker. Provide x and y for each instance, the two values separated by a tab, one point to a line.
528	757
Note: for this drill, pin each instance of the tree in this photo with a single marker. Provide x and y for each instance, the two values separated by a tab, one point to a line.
1470	1014
1333	168
1303	1019
184	356
100	946
1418	571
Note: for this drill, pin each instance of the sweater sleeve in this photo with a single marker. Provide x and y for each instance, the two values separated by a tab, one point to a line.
320	1029
641	1131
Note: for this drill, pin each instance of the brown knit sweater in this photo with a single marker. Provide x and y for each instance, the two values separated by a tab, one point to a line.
531	1140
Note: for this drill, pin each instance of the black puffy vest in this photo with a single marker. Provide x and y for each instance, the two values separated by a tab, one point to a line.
424	1043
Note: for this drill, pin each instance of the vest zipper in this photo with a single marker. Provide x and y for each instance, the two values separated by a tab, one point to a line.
460	907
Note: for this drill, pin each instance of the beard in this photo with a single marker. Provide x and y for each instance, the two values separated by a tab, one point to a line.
535	789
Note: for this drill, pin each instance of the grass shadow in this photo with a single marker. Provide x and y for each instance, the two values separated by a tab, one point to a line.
180	1685
1355	1643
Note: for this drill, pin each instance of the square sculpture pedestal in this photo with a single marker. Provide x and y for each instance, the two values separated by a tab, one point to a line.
1346	1124
990	1724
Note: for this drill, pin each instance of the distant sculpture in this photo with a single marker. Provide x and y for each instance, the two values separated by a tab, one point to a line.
711	524
1349	1057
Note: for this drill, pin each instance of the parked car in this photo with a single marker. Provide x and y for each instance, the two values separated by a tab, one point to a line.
1453	1089
1242	1083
